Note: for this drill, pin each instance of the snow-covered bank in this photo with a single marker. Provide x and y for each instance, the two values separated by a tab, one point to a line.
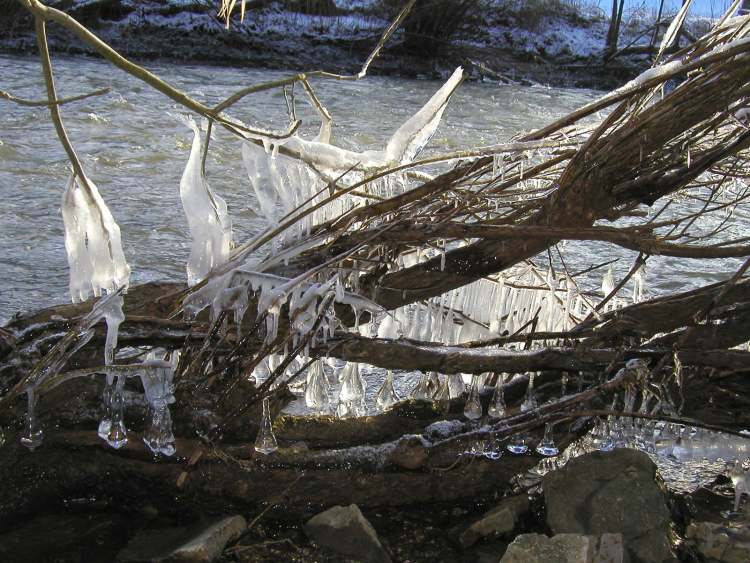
505	40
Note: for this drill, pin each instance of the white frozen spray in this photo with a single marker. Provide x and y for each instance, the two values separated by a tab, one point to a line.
210	226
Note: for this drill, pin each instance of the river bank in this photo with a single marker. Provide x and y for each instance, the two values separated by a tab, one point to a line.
538	42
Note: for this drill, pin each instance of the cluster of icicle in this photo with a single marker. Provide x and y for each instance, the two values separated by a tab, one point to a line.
322	377
501	304
488	307
230	293
92	242
155	375
283	184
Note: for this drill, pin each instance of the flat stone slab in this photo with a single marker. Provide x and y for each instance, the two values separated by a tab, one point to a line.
345	530
500	520
199	543
728	543
565	548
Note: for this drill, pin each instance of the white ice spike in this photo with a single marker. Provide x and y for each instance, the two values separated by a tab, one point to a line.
92	241
210	226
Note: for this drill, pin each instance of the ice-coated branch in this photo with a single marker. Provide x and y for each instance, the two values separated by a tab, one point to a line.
62	101
92	241
210	226
92	237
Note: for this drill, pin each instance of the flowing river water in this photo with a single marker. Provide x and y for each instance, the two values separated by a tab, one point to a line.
135	148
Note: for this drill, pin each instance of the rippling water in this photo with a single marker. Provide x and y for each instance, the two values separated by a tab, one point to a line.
135	150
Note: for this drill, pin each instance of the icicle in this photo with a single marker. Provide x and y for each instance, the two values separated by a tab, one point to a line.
422	390
530	401
316	391
210	226
497	402
157	383
352	385
118	435
473	407
608	282
739	479
600	438
92	242
386	396
33	434
547	446
112	311
456	385
265	442
518	444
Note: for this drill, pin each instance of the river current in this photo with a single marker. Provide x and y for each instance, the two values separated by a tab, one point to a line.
135	148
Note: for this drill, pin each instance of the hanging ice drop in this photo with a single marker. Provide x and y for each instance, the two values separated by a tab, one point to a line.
316	391
547	445
473	407
456	385
118	435
497	406
32	435
386	396
265	442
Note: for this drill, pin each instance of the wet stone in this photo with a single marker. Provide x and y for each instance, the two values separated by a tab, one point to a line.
499	521
728	543
345	530
197	544
565	548
611	492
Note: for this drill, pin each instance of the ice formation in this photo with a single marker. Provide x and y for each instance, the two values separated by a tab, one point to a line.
546	446
208	220
456	385
33	434
386	396
490	307
316	390
497	406
92	242
156	378
283	183
265	441
352	392
473	406
113	314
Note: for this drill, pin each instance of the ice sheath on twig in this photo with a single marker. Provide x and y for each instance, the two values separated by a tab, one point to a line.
92	241
210	226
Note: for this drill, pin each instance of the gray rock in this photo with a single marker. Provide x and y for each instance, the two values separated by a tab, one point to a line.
726	543
500	520
614	492
565	548
345	530
610	549
196	544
